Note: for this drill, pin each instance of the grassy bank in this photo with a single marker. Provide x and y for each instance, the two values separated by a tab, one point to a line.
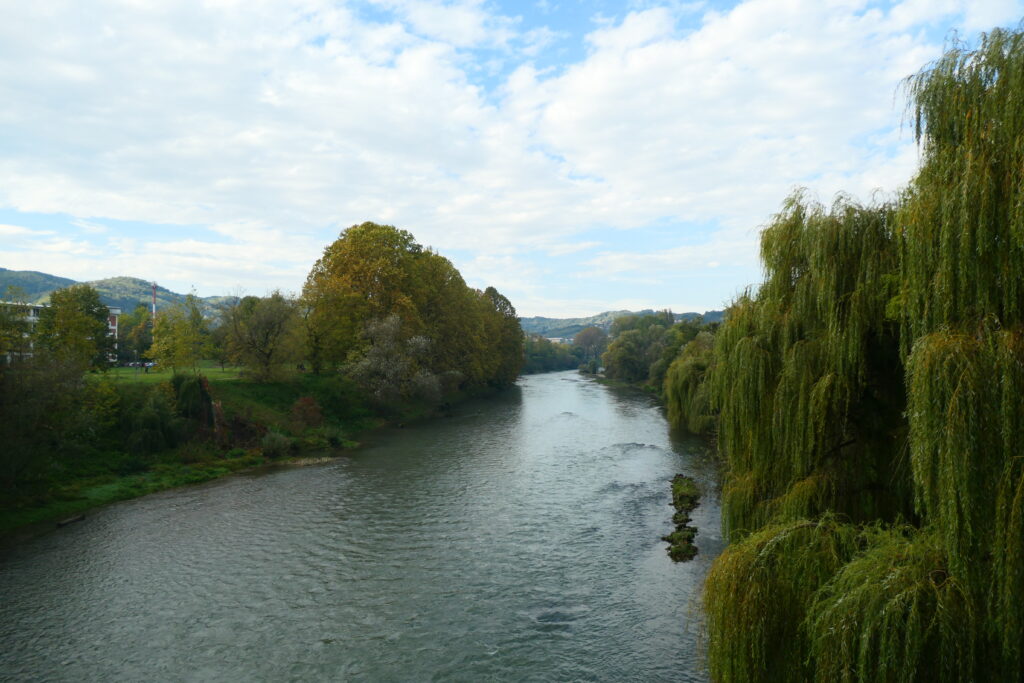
298	419
258	424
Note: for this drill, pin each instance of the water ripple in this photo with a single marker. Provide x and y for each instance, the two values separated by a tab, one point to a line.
517	541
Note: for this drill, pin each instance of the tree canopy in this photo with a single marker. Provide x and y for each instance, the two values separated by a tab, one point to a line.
74	327
373	273
866	399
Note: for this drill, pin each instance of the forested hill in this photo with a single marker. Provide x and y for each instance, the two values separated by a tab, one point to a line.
33	283
568	327
124	292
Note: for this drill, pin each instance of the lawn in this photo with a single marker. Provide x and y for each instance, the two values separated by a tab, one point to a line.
208	368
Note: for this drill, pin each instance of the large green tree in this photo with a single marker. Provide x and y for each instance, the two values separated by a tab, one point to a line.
180	336
74	327
374	273
264	334
592	341
869	414
135	334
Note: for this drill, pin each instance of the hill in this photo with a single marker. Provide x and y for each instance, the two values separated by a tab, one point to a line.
568	327
32	283
123	292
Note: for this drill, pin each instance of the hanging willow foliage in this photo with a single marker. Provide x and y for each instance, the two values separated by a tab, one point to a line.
870	397
962	266
756	596
807	374
687	395
963	216
893	613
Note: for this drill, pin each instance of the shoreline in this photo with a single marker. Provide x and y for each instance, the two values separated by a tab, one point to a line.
21	524
57	514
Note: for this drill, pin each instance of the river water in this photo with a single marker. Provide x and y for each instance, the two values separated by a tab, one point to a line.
518	540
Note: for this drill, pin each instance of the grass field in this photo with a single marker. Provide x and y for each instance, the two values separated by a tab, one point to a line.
210	369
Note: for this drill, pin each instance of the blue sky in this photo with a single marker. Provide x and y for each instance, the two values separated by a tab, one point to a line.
579	156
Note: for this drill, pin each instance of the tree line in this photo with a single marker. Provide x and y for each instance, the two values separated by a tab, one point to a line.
381	322
866	403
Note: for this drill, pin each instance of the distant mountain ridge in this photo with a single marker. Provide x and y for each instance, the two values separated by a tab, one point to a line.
568	327
124	292
128	292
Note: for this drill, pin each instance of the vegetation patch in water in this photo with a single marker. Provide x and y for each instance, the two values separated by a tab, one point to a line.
685	497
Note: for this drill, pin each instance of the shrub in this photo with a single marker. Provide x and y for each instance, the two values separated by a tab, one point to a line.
306	412
275	444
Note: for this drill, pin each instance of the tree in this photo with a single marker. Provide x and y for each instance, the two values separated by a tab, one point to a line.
390	370
363	275
592	340
14	325
870	415
135	334
263	334
687	393
74	327
179	336
373	272
505	337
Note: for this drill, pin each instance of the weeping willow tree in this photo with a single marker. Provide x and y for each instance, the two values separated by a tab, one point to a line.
807	380
687	395
962	266
869	400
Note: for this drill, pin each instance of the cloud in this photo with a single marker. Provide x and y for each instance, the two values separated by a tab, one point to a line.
275	123
21	231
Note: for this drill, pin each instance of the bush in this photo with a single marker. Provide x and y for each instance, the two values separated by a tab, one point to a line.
306	412
275	445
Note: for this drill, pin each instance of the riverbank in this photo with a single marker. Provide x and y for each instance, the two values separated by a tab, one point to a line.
301	420
515	540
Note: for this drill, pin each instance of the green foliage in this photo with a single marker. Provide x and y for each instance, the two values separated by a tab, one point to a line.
193	400
152	424
135	334
894	613
263	334
643	347
374	273
276	445
74	327
875	377
543	355
807	374
592	341
757	593
687	394
962	217
180	336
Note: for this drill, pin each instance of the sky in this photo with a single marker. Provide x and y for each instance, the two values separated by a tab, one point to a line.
578	156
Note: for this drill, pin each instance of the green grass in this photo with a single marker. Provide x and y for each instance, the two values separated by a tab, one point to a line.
83	494
104	476
208	368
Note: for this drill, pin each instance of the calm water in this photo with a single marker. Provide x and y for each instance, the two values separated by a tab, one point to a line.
517	540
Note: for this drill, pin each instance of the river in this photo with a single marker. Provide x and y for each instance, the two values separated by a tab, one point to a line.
518	540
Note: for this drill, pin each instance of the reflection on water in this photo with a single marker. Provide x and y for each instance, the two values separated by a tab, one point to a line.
516	540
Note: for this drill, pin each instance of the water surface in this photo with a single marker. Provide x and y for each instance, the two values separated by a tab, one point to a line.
517	540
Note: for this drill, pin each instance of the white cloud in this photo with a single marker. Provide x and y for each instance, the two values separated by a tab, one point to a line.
277	122
21	231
